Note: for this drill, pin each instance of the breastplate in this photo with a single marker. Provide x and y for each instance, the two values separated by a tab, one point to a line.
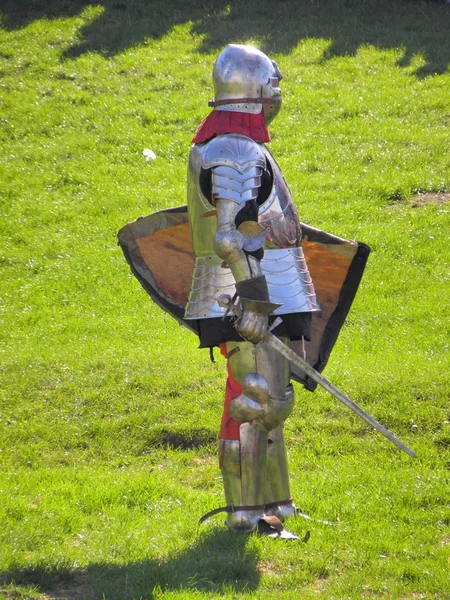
284	265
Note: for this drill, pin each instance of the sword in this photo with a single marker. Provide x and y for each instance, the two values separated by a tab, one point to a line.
280	347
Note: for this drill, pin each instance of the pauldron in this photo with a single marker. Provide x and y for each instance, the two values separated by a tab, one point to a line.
237	164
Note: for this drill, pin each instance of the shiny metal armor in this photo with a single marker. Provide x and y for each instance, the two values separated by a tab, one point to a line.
246	80
254	468
237	163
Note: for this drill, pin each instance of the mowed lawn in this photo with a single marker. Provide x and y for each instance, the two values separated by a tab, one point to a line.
109	414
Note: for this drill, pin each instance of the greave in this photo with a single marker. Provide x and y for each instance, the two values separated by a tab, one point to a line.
243	465
277	477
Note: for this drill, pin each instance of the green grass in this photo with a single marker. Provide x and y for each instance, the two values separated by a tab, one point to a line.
108	413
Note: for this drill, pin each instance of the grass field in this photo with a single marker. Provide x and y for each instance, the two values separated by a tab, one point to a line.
109	414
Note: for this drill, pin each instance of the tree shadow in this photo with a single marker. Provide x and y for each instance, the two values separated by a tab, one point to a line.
17	14
219	562
420	27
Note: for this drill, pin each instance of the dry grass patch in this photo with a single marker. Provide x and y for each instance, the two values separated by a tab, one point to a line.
430	198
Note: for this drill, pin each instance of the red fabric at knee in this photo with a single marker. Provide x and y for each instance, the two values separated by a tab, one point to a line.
229	429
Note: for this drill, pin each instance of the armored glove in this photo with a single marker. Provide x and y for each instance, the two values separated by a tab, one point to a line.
254	294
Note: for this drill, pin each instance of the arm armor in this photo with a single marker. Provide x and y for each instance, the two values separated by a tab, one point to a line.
237	164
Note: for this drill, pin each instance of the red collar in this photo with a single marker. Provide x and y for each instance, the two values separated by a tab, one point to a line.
219	122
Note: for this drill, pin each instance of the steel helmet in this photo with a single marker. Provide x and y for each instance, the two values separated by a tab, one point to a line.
246	80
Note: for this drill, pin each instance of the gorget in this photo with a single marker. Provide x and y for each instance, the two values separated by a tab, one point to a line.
283	265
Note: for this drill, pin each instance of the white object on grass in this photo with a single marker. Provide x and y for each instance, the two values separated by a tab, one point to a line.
148	154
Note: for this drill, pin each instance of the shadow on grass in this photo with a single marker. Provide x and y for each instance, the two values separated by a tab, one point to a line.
179	440
420	27
219	562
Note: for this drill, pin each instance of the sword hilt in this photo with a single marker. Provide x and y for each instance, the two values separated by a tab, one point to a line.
226	301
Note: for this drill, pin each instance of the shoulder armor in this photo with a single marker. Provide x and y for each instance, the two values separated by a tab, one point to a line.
232	150
237	164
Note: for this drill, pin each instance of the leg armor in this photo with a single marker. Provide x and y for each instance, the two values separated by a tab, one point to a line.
252	454
277	476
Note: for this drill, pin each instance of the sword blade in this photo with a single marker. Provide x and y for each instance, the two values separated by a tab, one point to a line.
297	361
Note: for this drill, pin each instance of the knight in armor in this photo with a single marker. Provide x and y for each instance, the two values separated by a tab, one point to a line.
246	238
